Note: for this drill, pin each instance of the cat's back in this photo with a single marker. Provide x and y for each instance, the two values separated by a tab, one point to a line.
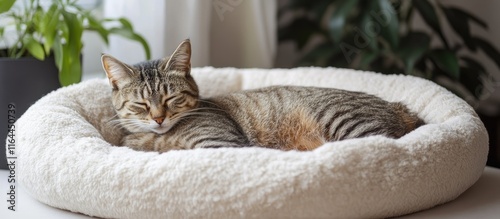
306	117
279	100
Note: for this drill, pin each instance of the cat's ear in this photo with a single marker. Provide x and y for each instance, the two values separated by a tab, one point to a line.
118	72
180	59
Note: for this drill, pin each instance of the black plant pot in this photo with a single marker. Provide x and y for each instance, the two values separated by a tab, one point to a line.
22	82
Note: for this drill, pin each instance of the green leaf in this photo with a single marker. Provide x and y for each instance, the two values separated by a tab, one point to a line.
64	30
5	5
71	70
132	36
34	48
489	49
64	72
461	13
36	18
387	17
446	61
428	13
426	10
75	71
50	22
45	18
412	47
339	17
460	25
95	25
126	24
475	19
75	29
58	52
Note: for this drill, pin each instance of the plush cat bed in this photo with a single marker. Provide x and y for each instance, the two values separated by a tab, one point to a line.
67	157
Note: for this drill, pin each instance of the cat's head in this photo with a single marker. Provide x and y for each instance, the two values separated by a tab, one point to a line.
151	96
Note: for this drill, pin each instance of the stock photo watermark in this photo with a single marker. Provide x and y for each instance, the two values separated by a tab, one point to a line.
372	29
11	156
223	6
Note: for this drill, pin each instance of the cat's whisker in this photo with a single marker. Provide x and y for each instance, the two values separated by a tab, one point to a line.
131	126
114	123
189	114
121	121
125	123
113	117
204	108
209	102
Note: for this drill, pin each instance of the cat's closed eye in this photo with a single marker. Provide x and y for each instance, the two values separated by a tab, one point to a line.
168	100
175	101
138	108
179	101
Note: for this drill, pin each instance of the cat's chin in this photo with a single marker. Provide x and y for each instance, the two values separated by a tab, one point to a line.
161	129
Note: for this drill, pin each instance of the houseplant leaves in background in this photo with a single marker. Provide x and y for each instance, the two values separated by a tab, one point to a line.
5	5
378	36
58	29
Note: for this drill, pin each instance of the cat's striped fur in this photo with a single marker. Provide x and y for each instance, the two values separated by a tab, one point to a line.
159	104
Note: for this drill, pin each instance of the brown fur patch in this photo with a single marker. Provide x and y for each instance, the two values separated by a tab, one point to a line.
296	131
301	131
410	120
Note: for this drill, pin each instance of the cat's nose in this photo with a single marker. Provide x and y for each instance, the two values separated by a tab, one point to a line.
159	120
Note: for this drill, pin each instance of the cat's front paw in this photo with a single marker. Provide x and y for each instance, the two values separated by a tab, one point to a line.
139	141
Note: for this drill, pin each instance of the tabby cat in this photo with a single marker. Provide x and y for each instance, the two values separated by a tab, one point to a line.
158	103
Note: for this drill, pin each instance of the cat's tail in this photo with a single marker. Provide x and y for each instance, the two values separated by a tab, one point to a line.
410	120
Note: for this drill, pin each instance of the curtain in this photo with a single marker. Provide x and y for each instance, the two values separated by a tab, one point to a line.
223	33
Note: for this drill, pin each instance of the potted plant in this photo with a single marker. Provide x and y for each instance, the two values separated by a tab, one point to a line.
57	30
379	35
44	52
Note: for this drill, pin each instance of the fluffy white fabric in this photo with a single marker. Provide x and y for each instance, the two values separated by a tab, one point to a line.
67	158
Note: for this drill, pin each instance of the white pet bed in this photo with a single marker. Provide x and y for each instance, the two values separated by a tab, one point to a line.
67	160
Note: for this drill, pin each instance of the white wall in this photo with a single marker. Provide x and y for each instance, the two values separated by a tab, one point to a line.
223	33
92	49
93	46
